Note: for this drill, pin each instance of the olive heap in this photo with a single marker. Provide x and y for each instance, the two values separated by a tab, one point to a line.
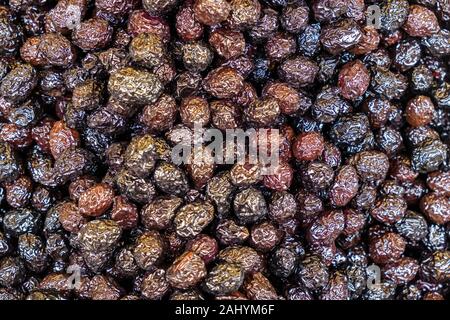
95	93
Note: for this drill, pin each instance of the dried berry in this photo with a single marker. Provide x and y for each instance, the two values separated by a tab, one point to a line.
70	217
21	221
327	227
263	113
10	35
369	41
298	71
62	138
158	6
345	186
388	84
187	26
436	207
386	248
170	179
18	192
65	16
258	287
394	15
354	79
148	250
313	273
308	146
223	82
92	34
280	179
265	26
248	259
48	49
230	233
401	271
428	156
435	268
194	111
419	111
140	21
340	36
227	43
344	163
294	17
421	22
329	105
134	187
265	236
224	278
12	271
134	86
186	271
192	218
17	85
244	13
159	213
290	100
249	205
154	285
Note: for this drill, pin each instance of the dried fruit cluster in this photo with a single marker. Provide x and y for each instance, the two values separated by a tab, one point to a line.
95	93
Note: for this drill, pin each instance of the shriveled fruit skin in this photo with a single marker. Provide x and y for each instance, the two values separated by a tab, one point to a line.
148	250
49	49
191	219
354	79
224	149
340	36
224	278
96	200
345	187
211	12
387	247
10	166
389	209
223	82
188	270
132	86
17	85
421	22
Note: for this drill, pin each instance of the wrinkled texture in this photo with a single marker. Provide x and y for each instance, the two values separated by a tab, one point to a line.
341	161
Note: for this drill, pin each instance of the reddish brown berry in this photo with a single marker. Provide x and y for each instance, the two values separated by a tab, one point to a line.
124	213
354	79
186	271
62	138
386	248
223	82
419	111
345	186
96	200
187	26
227	43
93	34
211	12
70	217
280	179
421	22
436	207
308	146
